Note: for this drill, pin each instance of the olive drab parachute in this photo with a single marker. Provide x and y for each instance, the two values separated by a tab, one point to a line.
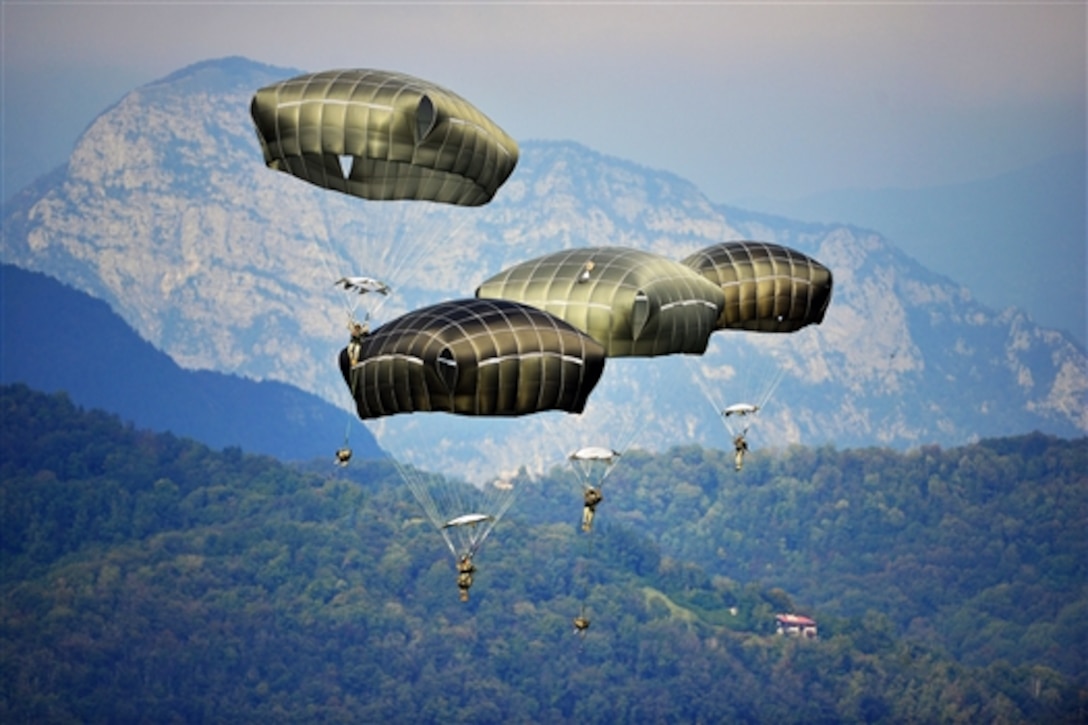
473	357
634	303
767	287
382	135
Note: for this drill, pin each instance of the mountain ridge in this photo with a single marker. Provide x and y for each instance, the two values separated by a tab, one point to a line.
57	339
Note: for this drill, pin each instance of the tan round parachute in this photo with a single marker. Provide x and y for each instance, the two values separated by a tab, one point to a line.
382	135
767	287
473	357
634	303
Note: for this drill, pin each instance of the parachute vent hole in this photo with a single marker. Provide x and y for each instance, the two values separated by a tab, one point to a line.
447	369
640	314
426	117
347	163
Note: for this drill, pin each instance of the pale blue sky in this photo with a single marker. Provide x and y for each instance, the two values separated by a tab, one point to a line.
748	100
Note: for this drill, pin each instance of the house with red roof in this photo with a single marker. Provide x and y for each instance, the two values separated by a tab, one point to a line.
794	625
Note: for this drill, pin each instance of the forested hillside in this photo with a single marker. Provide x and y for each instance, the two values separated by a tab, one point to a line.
981	549
148	578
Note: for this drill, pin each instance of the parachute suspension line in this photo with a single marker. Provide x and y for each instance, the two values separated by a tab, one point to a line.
622	437
466	499
377	246
582	584
414	479
711	395
756	391
771	387
396	259
349	301
585	470
374	242
414	254
629	432
462	513
553	433
503	506
583	475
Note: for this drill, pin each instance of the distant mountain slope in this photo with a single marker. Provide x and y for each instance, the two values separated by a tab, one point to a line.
166	211
55	338
1039	209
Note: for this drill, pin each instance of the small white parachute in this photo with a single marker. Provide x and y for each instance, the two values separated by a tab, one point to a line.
468	520
738	417
363	285
740	409
593	464
595	453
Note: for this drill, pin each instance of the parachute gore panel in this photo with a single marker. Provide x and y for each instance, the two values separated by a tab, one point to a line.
382	135
632	302
474	357
767	287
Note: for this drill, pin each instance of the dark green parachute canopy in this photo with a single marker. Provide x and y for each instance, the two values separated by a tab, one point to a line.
474	357
381	135
632	302
767	287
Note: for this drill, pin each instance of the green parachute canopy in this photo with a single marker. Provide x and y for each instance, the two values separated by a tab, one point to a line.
767	287
381	135
634	303
473	357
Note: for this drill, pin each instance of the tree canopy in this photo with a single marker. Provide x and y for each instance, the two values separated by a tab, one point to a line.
147	577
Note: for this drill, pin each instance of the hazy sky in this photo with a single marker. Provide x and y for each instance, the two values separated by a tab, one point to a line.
746	99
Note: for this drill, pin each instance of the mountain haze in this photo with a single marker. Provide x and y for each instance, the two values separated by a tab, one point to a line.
1038	210
166	211
57	339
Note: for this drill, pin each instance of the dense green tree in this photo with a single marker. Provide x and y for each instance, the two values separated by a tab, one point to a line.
148	578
